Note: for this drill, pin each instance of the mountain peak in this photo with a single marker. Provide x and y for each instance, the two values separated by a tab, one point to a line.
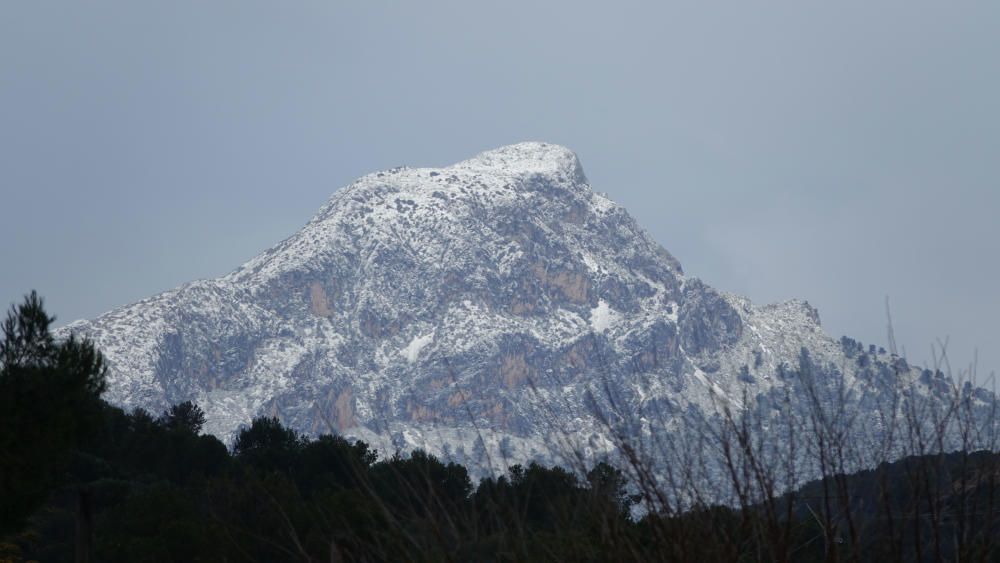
423	304
528	157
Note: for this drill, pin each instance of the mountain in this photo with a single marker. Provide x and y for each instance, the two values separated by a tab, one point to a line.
490	308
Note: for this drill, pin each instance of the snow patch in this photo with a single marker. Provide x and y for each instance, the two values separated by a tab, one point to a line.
602	317
413	349
700	376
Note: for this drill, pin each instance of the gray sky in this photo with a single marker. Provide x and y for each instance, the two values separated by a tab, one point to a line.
838	152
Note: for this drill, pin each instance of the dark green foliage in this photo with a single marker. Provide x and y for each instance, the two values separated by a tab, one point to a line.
161	492
333	462
48	403
608	484
267	444
539	513
157	491
186	416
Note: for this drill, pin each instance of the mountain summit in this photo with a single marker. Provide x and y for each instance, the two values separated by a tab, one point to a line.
479	310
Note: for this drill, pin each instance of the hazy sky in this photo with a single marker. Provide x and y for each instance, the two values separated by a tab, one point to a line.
838	151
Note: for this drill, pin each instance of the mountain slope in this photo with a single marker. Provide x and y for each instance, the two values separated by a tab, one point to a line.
484	309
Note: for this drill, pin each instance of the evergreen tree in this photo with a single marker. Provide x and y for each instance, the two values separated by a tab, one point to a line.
267	444
187	416
49	403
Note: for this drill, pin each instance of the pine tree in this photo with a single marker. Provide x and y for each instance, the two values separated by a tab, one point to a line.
49	402
184	416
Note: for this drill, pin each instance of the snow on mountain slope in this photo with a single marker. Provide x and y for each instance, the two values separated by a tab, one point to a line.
473	311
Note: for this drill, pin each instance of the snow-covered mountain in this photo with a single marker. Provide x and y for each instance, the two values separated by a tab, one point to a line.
473	310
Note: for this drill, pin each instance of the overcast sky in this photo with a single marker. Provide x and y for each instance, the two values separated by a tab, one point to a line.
839	152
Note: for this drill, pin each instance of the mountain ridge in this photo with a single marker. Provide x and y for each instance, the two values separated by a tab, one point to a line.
461	310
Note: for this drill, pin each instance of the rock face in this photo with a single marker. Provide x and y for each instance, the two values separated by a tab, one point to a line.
474	311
